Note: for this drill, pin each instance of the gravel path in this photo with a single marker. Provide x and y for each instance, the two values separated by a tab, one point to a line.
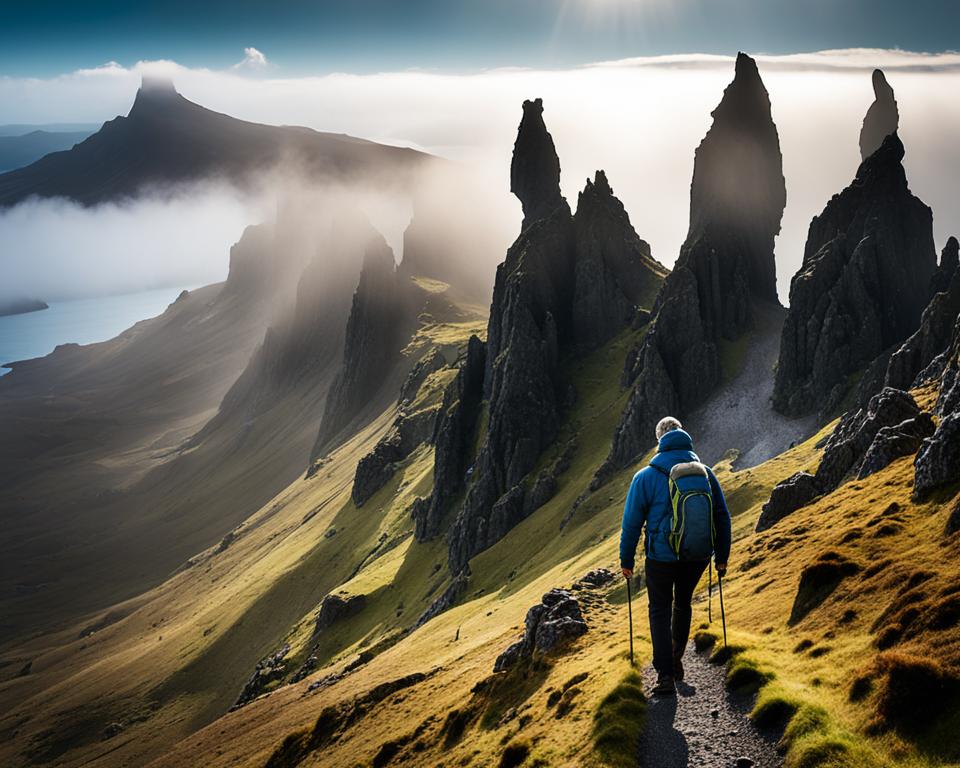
703	726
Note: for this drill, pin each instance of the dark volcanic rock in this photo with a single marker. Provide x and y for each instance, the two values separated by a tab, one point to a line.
788	496
566	284
949	261
862	288
882	117
615	274
535	170
599	577
453	437
554	621
938	462
725	266
845	449
336	607
409	430
268	670
529	315
864	442
891	443
447	599
381	319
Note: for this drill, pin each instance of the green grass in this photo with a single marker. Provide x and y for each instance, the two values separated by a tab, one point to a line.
618	723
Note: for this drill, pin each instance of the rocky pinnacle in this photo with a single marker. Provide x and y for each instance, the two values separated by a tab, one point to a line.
725	267
882	117
535	170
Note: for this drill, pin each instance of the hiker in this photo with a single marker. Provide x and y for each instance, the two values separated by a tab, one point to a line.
675	557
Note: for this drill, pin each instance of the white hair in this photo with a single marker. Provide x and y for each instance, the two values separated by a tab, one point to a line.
667	424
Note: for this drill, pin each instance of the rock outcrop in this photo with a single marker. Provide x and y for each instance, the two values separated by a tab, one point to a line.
936	325
412	427
554	621
882	117
726	265
862	288
614	273
269	670
535	170
453	439
336	607
537	305
382	317
865	441
938	461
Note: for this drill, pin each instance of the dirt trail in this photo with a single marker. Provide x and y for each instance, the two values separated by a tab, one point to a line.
703	726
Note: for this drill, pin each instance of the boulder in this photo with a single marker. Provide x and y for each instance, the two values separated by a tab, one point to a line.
550	624
336	607
791	494
599	577
891	443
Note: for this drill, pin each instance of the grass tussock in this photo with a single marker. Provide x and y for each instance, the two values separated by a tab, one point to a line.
818	580
913	692
515	754
618	723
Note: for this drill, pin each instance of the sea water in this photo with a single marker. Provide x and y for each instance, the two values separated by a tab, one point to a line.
81	321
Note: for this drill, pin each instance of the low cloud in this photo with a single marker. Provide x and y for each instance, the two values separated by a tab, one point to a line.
639	119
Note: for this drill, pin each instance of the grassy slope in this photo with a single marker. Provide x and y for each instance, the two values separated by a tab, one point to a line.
463	643
261	590
172	659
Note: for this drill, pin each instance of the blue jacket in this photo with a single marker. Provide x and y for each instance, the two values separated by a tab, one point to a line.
648	504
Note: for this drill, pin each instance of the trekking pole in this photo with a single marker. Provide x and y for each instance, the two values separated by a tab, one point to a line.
630	615
709	591
723	616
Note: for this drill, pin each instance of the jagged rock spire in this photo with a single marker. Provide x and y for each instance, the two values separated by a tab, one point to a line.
864	282
725	268
535	170
882	118
614	272
738	185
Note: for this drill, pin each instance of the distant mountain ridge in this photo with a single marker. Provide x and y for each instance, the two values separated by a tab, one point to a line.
167	139
17	151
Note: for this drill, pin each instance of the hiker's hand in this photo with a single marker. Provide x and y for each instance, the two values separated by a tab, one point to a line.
627	573
721	568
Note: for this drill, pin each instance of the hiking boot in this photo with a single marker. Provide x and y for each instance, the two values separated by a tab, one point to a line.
665	686
678	666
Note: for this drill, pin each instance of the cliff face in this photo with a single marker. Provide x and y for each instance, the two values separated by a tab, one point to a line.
567	284
382	317
725	267
614	272
936	327
864	282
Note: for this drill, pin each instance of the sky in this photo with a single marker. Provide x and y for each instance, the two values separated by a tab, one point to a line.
47	37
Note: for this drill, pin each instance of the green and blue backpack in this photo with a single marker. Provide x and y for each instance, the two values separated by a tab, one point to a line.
692	534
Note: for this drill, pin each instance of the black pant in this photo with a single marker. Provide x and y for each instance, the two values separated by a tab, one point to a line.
670	589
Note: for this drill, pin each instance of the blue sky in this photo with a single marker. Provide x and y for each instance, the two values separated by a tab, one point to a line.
46	38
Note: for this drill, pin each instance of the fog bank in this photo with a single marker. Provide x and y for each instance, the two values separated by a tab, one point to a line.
639	119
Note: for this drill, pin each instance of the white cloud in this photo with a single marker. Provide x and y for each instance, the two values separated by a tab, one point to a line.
252	59
639	119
